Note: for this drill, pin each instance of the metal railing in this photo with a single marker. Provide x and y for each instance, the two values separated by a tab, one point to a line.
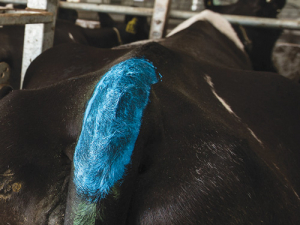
176	14
39	29
19	17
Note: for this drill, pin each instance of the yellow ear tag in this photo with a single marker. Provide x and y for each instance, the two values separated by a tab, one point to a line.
130	28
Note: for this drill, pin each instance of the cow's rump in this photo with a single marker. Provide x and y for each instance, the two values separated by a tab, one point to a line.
217	143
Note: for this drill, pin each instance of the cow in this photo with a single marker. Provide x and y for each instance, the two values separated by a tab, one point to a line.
66	31
110	33
259	42
5	88
178	131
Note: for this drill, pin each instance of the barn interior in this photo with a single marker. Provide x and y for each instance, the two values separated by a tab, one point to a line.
220	104
166	14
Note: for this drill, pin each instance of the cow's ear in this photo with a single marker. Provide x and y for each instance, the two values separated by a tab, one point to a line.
131	26
139	27
271	8
4	90
128	18
277	5
106	20
5	87
208	3
68	14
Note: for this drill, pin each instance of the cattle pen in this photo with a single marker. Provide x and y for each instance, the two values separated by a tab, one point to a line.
139	112
40	18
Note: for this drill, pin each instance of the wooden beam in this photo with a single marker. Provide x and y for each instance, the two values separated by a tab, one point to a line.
159	18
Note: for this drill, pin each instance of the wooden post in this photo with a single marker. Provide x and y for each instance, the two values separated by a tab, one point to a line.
159	18
38	37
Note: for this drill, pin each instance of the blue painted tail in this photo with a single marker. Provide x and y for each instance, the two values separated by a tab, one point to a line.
111	126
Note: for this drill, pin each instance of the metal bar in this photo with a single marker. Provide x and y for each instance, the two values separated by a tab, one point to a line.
22	2
246	20
178	14
38	37
18	17
264	22
128	10
159	19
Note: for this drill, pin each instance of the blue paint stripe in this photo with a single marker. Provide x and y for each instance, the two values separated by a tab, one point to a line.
111	126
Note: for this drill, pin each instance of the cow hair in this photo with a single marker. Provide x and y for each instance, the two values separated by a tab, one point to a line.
111	126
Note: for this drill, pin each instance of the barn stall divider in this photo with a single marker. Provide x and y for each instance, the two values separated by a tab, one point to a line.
39	19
